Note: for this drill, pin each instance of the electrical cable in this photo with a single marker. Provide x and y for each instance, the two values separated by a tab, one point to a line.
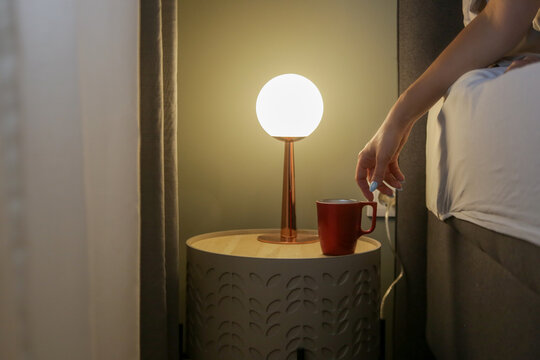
389	202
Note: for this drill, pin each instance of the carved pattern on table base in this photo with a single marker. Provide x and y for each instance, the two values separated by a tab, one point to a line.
252	312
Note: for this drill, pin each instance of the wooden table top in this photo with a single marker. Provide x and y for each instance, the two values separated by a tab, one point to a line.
244	243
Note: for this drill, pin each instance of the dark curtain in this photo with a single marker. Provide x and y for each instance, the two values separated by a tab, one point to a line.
158	180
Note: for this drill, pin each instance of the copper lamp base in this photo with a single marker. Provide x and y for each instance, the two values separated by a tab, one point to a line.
289	235
302	237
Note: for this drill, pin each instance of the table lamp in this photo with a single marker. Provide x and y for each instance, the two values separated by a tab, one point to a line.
289	108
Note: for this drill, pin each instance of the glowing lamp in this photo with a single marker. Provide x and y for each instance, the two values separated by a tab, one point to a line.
289	108
289	105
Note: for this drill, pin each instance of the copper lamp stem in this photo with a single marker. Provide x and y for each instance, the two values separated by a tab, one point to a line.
288	234
288	203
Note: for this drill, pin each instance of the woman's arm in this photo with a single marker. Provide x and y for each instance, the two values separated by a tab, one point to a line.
496	31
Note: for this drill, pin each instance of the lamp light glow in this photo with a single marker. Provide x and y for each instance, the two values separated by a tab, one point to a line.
289	105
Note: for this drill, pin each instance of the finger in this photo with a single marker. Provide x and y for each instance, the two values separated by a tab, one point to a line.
396	171
385	189
521	63
364	186
391	180
361	180
368	194
378	175
513	65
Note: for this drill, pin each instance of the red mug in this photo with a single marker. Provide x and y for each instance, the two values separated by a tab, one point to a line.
340	224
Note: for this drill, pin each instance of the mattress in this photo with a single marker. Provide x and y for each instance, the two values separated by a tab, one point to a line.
483	152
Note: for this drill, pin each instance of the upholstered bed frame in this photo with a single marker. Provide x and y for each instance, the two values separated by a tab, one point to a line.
469	293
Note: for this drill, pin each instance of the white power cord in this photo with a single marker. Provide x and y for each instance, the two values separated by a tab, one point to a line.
389	202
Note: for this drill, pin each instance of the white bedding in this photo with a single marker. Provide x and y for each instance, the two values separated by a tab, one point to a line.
483	152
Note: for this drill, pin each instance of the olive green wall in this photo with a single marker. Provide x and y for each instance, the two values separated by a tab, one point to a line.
230	170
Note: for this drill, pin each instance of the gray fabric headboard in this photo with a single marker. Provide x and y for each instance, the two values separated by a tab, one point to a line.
425	27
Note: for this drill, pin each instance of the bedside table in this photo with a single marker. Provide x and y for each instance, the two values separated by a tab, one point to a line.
252	300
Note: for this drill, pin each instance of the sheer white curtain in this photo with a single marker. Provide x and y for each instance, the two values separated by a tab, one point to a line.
69	203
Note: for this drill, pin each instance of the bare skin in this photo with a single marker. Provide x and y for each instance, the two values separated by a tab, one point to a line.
527	60
502	28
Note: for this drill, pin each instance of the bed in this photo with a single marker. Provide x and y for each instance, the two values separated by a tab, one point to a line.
470	249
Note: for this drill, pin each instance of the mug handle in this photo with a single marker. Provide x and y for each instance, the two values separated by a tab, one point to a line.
373	204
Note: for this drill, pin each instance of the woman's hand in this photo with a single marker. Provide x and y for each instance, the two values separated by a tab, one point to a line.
378	161
497	30
522	62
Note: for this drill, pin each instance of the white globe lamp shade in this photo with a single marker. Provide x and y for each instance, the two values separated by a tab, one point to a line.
289	106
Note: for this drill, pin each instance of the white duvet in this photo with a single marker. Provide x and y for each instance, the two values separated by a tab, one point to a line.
483	152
